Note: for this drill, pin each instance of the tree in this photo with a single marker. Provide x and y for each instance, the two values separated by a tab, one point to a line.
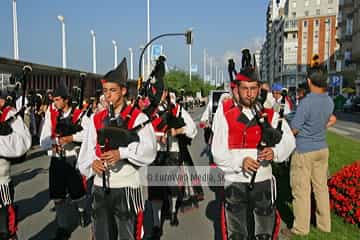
177	79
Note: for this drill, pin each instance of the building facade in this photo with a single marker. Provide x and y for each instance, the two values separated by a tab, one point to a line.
356	45
301	29
45	77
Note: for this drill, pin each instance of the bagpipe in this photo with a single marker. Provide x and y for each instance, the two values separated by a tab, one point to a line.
269	136
17	83
282	109
113	136
66	126
153	87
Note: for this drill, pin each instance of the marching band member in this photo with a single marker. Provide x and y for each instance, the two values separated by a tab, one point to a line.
117	191
62	127
237	135
15	141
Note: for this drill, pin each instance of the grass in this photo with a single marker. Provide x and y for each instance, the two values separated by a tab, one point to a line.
343	151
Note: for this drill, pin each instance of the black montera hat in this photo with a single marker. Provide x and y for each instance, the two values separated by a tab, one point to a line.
61	91
118	75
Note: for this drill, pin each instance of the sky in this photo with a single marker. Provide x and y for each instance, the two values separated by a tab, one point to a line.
223	28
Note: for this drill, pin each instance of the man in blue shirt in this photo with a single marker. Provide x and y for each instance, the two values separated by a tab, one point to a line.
309	164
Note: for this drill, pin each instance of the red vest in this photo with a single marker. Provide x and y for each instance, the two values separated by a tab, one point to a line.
54	114
5	112
157	120
101	116
242	133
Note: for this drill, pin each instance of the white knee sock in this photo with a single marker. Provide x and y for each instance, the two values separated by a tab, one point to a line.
173	204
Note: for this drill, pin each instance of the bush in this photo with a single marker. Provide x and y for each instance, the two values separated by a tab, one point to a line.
344	188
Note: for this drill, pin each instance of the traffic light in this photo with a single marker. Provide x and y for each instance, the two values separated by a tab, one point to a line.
189	37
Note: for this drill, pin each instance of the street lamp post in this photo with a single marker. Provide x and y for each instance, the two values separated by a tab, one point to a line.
216	74
204	68
328	24
142	62
148	37
190	62
62	21
15	32
131	64
296	69
115	53
93	50
211	68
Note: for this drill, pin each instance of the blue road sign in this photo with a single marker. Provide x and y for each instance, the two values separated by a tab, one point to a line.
336	80
194	68
156	51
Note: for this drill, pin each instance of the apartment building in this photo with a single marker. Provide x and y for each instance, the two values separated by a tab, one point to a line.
300	29
356	41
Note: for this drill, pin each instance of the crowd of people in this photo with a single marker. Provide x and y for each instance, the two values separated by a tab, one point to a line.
98	146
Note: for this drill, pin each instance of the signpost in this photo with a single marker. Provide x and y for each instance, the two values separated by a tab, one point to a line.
194	68
156	51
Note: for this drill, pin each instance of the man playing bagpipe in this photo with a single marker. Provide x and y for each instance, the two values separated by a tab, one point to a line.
62	128
15	140
174	130
117	143
244	143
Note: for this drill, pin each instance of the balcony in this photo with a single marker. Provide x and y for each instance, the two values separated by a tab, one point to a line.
290	25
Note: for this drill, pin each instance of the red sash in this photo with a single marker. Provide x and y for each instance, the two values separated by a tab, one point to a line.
5	112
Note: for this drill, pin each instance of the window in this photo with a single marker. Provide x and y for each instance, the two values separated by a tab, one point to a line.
349	26
294	35
294	4
317	22
294	14
318	2
316	34
306	13
318	12
307	3
305	24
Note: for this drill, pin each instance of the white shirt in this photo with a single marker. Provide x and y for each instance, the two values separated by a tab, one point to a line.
13	145
205	117
19	102
190	130
277	104
231	160
122	174
46	141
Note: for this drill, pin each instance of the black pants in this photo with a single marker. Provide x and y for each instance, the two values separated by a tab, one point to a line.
113	220
249	214
65	178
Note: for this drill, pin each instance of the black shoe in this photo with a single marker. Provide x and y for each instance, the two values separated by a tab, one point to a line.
174	221
156	233
82	218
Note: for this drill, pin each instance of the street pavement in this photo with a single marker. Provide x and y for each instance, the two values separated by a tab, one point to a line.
37	220
348	125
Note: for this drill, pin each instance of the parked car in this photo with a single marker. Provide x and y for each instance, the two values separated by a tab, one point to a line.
352	105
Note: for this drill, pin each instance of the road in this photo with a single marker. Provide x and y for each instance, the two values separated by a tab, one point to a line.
347	125
37	220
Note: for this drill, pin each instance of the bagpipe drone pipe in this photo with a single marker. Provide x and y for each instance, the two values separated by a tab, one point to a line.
18	84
